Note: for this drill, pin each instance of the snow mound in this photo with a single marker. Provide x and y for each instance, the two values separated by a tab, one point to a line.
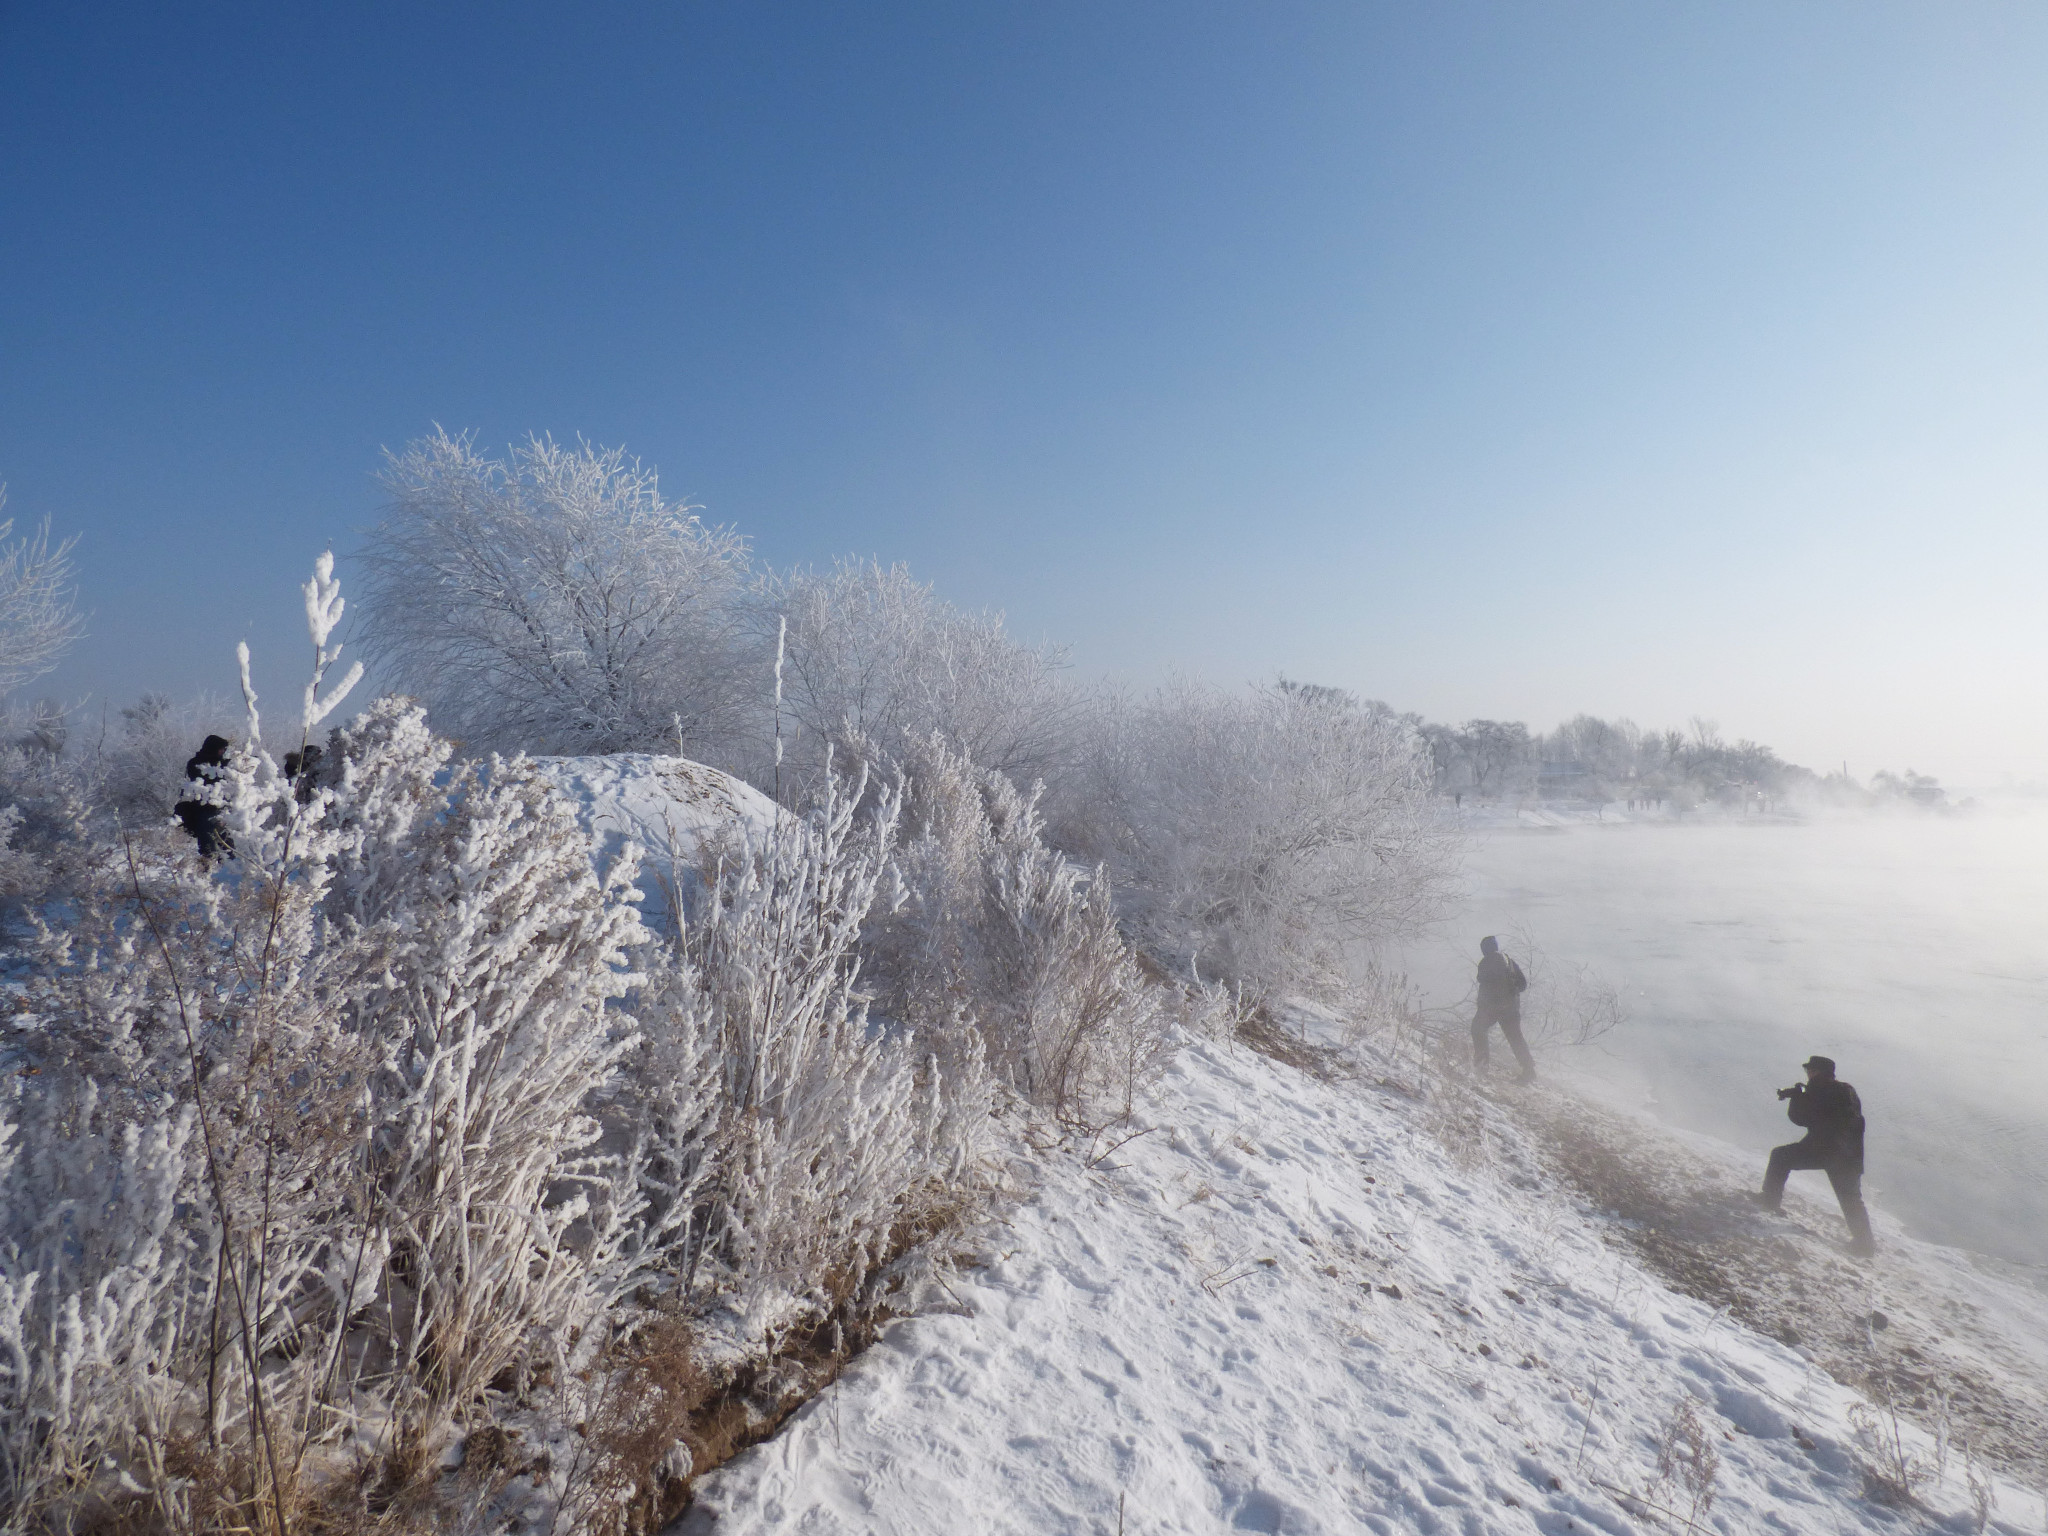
1282	1306
676	811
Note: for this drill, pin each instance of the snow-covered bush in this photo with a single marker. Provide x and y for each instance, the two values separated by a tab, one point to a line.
93	1292
141	771
398	1100
994	939
554	602
45	815
311	1137
184	1245
1256	837
827	1142
489	952
875	662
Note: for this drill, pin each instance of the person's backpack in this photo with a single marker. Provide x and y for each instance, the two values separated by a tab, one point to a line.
1521	982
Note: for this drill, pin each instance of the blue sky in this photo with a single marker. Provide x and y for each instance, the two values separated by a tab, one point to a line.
1494	360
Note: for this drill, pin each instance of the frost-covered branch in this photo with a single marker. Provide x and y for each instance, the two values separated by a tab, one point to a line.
324	607
39	617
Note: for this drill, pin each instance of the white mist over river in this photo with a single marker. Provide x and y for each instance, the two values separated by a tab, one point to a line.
1912	948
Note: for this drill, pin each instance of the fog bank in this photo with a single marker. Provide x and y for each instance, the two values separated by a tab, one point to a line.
1911	948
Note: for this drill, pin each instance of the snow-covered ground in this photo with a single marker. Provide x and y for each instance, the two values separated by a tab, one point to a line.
1366	1298
1284	1306
678	813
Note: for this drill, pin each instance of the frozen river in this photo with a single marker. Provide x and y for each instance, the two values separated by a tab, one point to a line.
1913	949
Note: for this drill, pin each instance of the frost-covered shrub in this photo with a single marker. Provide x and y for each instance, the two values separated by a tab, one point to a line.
1255	836
43	832
142	768
310	1136
827	1143
187	1230
992	936
875	662
489	953
554	602
47	795
21	872
94	1290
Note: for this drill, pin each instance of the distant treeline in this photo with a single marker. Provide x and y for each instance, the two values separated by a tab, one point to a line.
1587	758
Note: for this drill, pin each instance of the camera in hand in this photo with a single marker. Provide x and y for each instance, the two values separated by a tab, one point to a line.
1786	1093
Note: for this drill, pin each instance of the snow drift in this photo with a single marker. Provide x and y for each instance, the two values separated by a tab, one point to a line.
680	814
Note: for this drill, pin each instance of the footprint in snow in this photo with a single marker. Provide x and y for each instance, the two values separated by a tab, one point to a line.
1260	1511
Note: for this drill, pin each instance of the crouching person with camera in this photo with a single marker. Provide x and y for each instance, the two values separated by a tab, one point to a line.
1833	1117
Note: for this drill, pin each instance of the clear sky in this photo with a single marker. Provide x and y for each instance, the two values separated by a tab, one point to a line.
1513	360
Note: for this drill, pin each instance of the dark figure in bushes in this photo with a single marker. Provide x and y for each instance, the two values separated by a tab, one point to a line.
203	821
302	771
1501	985
1833	1117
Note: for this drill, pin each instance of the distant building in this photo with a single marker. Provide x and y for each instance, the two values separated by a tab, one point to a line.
1563	781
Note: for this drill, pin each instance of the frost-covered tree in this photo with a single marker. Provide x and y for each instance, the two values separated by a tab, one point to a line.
1610	751
552	601
1255	836
1501	753
875	662
39	617
1685	766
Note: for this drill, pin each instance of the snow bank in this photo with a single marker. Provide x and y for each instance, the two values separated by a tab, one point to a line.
677	811
1958	1338
1283	1307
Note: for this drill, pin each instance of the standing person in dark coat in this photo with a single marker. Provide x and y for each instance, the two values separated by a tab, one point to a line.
1833	1117
202	820
1501	985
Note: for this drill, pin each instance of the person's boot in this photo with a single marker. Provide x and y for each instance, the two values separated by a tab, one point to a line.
1864	1246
